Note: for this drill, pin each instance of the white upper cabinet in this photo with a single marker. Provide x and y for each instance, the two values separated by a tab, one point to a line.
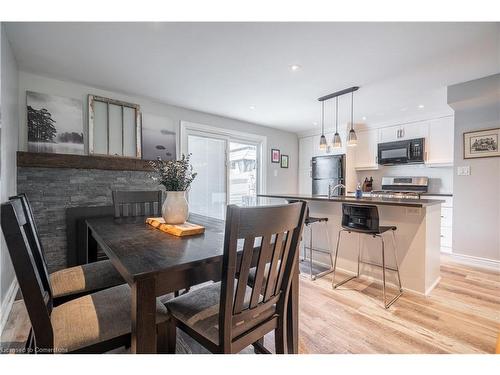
439	143
305	152
405	131
366	150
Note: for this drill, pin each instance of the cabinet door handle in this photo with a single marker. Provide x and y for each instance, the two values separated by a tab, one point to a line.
397	133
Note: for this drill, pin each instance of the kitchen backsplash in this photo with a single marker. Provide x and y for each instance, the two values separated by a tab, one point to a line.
440	179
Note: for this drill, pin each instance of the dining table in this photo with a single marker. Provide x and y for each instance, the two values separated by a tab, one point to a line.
155	263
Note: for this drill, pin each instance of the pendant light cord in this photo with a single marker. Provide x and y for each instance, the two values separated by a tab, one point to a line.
322	118
337	115
352	110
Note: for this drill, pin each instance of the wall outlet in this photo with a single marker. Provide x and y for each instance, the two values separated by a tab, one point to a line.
275	173
463	171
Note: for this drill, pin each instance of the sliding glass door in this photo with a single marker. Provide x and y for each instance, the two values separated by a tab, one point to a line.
208	191
228	172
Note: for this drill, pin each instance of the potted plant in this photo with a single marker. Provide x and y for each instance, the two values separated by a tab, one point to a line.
176	176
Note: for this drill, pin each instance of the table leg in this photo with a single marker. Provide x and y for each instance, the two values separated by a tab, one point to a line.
292	334
143	317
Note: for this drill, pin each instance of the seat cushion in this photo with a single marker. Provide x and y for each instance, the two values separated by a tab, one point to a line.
95	318
199	309
86	278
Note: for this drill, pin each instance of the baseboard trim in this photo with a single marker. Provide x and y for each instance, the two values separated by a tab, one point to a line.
490	264
6	305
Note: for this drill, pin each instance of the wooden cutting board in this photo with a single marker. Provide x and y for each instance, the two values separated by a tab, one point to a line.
179	230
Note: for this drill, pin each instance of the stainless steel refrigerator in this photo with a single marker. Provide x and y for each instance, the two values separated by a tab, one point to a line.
327	170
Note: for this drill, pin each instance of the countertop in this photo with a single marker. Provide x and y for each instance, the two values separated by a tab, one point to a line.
365	200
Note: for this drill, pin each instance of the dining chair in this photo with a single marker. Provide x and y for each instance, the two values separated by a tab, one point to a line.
68	283
94	323
227	316
137	203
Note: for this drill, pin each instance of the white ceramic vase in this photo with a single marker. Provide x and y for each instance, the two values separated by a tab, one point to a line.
175	209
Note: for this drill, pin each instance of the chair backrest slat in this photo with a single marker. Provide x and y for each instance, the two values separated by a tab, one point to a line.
244	308
273	269
137	203
246	261
37	298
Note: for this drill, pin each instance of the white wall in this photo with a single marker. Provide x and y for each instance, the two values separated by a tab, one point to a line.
8	147
285	180
476	201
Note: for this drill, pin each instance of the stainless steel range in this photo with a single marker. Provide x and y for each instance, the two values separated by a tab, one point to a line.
402	187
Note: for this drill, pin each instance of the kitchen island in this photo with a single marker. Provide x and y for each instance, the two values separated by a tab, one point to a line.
417	237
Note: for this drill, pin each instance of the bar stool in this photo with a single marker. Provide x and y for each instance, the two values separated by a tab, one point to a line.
309	222
364	219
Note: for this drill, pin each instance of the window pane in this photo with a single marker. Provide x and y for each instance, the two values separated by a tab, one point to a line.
208	191
115	130
242	173
129	134
100	128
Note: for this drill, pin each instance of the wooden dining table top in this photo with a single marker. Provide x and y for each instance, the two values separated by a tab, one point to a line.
138	250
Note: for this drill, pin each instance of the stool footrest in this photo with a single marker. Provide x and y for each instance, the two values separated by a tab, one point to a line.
335	286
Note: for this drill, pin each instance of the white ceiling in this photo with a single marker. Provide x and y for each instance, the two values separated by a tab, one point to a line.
224	68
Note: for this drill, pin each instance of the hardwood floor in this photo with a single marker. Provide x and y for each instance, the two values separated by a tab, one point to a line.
462	315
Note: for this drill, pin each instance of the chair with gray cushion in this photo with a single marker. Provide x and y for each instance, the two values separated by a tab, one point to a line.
230	315
69	283
94	323
137	203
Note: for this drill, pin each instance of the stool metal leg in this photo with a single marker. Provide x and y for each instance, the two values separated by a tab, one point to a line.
388	304
335	286
396	259
311	253
359	249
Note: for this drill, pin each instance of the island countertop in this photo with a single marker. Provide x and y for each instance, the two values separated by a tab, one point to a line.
365	200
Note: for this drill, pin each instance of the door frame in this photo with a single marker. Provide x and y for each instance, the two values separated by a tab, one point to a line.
187	128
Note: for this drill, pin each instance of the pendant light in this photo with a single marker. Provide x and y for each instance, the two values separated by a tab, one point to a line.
352	139
337	142
322	140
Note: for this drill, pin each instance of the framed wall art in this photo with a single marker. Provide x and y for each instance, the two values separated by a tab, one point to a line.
284	161
481	143
275	155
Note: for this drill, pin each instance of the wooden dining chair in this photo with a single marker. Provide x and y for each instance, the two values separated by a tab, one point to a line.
137	203
95	323
68	283
230	315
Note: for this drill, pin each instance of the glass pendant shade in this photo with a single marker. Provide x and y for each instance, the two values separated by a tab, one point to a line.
337	141
322	142
352	139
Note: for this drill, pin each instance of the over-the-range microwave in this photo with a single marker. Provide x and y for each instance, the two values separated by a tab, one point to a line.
401	152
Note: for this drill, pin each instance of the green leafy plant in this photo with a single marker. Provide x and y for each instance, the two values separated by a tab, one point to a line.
175	175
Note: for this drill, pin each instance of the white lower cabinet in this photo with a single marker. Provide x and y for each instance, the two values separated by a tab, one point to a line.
446	221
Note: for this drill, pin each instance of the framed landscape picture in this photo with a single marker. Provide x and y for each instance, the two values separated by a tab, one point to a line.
284	161
55	124
481	144
275	155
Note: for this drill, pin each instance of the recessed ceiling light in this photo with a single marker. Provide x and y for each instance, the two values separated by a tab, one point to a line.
252	107
420	106
295	67
315	123
363	118
403	109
